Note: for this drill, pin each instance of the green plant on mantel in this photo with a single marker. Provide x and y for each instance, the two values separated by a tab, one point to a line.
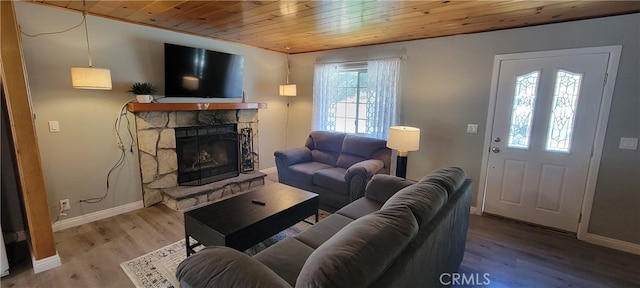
142	88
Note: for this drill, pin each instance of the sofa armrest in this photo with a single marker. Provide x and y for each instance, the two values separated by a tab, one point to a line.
359	174
383	186
292	156
221	266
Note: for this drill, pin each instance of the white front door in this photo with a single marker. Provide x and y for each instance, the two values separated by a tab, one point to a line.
546	113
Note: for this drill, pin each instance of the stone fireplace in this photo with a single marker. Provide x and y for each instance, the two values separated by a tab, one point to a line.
180	184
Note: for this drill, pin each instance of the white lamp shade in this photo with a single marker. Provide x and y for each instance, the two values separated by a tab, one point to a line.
91	78
288	90
403	138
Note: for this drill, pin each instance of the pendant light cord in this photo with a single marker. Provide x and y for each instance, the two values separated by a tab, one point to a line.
52	33
86	30
122	113
288	64
55	32
286	132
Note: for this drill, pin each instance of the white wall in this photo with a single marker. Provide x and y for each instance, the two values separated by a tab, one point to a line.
76	160
446	85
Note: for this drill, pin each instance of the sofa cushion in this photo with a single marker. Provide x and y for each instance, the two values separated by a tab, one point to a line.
228	269
292	156
326	157
323	230
359	208
325	140
383	186
347	160
451	178
325	146
303	172
331	179
285	258
357	148
424	200
361	251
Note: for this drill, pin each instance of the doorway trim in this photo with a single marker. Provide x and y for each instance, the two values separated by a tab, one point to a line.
601	128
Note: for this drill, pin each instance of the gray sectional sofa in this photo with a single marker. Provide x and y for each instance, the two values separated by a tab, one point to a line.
337	166
401	234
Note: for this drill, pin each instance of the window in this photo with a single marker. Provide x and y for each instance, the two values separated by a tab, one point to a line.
350	113
357	98
563	111
524	99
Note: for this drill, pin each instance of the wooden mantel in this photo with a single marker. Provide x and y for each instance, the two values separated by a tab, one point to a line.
147	107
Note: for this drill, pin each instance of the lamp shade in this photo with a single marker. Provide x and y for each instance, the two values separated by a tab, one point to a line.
288	90
404	138
91	78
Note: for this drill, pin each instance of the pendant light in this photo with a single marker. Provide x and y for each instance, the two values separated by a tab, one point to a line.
90	77
288	89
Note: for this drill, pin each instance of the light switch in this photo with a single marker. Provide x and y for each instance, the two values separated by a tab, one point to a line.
628	143
54	126
472	128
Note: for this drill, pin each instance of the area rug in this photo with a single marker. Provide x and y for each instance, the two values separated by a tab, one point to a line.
158	268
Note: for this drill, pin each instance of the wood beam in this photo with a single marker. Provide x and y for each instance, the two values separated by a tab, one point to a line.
18	100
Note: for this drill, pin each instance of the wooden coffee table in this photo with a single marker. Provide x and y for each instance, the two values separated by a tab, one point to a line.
240	223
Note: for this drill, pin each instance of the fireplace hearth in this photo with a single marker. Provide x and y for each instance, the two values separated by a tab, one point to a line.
206	154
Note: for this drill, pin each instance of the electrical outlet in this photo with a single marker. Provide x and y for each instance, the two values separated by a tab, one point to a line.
65	205
472	128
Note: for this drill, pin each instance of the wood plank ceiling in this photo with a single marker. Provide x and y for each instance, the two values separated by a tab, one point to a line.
308	26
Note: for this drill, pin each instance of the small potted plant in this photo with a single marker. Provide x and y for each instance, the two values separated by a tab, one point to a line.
143	91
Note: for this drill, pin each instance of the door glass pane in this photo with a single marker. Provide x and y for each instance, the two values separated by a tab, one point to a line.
563	111
524	100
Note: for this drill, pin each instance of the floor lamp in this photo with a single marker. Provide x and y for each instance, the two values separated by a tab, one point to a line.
403	139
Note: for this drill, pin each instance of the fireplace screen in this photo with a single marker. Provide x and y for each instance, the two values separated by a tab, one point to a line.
207	154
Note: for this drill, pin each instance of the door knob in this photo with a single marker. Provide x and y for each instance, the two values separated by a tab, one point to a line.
495	149
497	139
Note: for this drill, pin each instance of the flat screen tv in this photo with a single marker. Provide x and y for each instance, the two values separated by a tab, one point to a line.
196	72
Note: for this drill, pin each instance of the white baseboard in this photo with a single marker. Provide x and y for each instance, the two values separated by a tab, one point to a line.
612	243
473	210
95	216
46	263
270	170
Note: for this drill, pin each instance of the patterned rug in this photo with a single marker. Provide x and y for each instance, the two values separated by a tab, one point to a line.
158	268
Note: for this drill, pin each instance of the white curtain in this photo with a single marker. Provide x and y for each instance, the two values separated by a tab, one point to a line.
324	92
383	84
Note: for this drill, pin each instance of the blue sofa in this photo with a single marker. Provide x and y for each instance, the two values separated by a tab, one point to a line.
337	166
401	234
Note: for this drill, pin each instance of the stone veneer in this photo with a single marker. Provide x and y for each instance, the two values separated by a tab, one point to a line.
159	163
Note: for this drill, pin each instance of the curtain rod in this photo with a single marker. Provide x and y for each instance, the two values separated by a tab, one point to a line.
403	58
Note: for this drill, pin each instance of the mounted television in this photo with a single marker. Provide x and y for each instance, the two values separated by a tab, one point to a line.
196	72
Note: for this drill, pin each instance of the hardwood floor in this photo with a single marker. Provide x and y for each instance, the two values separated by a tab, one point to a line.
91	253
513	254
522	255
